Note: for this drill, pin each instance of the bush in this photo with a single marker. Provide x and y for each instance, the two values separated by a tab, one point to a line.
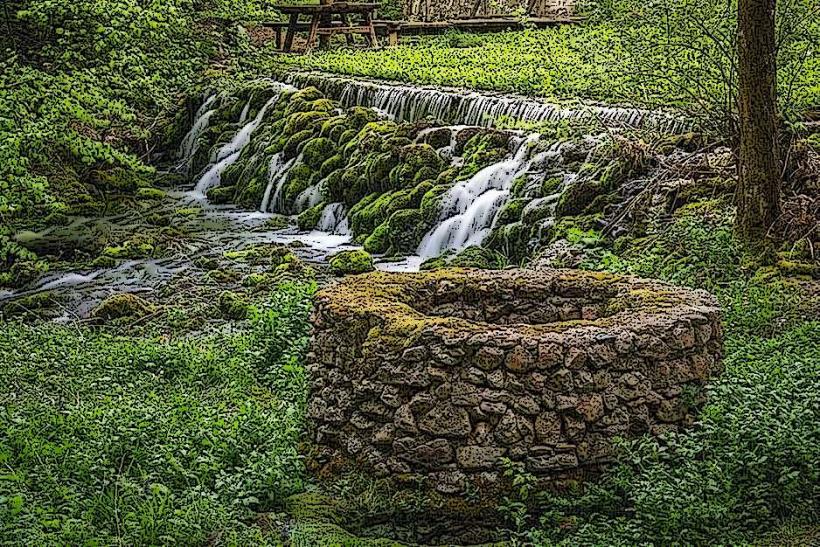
748	467
148	441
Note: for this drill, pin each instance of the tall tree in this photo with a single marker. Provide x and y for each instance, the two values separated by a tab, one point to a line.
758	199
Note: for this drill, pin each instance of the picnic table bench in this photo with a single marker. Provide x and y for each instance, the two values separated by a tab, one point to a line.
322	25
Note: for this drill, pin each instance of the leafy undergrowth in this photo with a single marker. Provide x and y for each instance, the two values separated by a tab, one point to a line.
137	440
751	466
750	469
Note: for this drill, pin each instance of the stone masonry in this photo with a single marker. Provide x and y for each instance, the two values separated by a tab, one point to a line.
439	375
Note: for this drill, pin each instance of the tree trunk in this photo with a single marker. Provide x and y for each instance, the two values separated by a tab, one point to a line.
758	196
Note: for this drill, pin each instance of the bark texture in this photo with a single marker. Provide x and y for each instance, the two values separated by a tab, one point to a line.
758	198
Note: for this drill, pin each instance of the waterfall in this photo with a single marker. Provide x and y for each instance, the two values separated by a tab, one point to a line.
334	219
202	118
454	106
229	153
469	208
278	171
309	197
243	117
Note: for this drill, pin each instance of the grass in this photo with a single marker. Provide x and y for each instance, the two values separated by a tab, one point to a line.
596	62
111	439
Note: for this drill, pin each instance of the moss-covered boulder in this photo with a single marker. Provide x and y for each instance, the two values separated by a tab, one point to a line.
351	262
233	306
123	305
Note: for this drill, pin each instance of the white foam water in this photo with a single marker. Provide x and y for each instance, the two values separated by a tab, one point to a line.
334	219
409	103
469	208
309	197
229	153
279	173
189	145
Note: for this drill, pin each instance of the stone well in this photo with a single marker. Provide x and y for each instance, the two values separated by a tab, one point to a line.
439	375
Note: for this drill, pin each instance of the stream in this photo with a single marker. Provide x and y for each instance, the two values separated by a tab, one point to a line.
468	212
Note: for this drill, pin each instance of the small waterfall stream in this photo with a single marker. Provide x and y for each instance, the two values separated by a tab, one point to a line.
229	153
190	144
469	208
411	103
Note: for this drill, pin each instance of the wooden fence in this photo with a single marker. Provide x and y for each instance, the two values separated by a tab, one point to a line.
442	10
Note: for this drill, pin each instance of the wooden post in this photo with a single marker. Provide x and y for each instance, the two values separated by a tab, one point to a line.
368	21
314	27
348	35
292	22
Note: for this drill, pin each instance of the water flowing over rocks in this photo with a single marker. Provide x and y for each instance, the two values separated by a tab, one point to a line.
439	375
409	103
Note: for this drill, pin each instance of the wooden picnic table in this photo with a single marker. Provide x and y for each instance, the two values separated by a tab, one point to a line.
323	26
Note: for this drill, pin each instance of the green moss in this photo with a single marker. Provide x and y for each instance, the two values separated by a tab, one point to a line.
122	305
801	269
316	151
136	247
233	306
511	212
150	193
299	178
293	144
378	241
308	219
351	262
471	257
417	162
221	194
188	211
223	275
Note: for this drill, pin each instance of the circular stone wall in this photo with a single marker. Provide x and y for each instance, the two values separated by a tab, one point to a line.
439	375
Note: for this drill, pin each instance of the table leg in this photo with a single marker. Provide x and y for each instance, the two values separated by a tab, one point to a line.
368	21
314	26
324	39
348	35
292	22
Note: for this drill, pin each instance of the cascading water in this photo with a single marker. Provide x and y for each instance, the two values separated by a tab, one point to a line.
412	103
469	208
229	153
278	171
190	143
309	197
334	219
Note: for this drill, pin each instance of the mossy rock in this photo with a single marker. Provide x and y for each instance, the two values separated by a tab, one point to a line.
158	219
511	211
31	304
122	305
304	121
331	164
122	179
417	162
799	269
438	138
300	177
378	241
351	262
471	257
233	306
405	230
219	195
577	196
316	151
220	275
150	193
293	144
308	219
136	247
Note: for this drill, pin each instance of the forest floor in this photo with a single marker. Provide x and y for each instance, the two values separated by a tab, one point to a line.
176	415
